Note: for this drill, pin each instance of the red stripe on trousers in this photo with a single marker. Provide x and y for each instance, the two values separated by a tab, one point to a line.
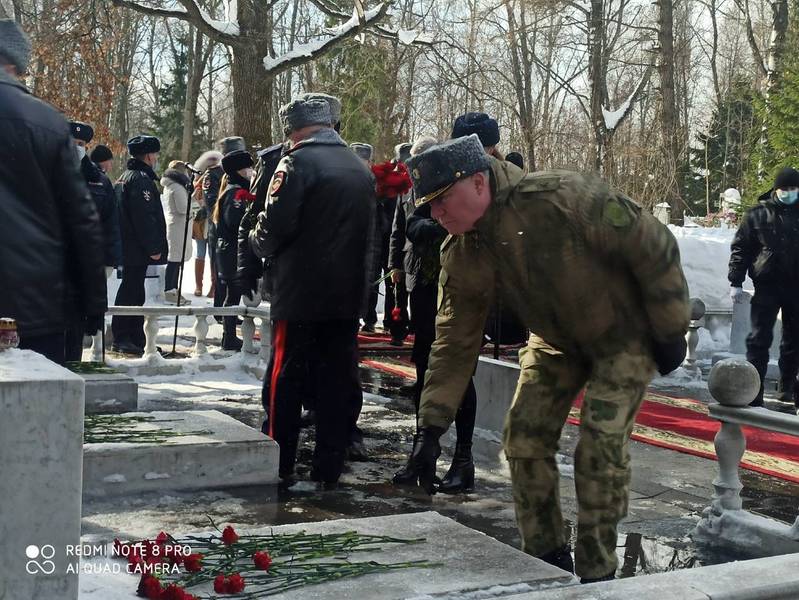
277	366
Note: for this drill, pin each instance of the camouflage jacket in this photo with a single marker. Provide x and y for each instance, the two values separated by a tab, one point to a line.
580	264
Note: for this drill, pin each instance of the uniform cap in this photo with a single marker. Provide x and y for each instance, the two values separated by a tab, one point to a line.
437	169
301	113
236	160
15	46
81	131
364	151
786	178
402	152
479	123
229	144
515	158
143	144
332	102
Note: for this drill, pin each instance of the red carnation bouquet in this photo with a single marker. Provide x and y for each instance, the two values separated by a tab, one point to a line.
242	194
392	179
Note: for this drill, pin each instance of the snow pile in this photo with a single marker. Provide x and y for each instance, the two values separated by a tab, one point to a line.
705	255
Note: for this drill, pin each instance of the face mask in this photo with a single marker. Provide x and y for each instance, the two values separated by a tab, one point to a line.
155	165
788	197
81	152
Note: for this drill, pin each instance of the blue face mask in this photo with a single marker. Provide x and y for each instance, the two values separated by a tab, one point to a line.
788	197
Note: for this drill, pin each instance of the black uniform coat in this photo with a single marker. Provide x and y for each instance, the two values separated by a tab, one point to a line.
233	204
141	216
766	245
105	200
51	255
317	231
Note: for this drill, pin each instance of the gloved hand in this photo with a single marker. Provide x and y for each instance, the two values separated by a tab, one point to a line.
426	451
737	294
94	324
669	355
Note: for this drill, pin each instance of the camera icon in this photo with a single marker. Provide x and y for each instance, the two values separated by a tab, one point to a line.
34	566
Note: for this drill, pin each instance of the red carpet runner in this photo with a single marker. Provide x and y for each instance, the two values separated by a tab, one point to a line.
680	424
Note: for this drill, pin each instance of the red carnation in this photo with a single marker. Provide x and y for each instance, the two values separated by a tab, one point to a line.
219	584
174	592
235	584
396	314
193	563
229	536
392	179
162	538
262	560
149	587
242	194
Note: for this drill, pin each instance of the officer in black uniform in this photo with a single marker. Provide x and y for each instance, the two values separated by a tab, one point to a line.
143	228
766	246
315	232
102	192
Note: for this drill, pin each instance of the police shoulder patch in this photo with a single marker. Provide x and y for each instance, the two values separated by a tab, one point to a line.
278	179
617	214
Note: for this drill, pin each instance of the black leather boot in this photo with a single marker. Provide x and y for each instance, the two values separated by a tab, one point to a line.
786	390
229	339
407	475
460	477
560	558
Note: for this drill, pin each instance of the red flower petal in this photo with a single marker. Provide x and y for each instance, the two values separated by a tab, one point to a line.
149	587
262	560
235	584
162	538
229	536
219	584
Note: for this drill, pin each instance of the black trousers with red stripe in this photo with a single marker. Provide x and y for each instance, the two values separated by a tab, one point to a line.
318	358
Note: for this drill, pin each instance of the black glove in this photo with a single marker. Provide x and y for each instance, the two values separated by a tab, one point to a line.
94	324
426	451
669	355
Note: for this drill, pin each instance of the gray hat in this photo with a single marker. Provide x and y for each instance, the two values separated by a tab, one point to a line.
402	152
333	102
15	47
436	170
143	144
229	144
301	113
364	151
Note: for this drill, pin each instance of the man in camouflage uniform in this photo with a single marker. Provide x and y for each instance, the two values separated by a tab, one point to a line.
598	281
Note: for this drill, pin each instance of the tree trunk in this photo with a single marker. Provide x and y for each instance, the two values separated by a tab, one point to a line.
668	107
252	96
596	37
196	67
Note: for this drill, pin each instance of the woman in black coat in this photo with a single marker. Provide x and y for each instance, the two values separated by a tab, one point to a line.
234	197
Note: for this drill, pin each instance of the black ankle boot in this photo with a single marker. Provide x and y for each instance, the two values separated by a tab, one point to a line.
407	475
460	477
786	390
588	580
560	558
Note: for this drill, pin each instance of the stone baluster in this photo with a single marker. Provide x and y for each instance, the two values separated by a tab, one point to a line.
735	383
248	325
266	339
97	347
730	446
150	337
692	337
200	333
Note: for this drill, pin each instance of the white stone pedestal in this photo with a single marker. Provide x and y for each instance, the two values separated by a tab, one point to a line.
41	444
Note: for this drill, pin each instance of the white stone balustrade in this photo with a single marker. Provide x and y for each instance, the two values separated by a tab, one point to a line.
692	337
152	326
734	383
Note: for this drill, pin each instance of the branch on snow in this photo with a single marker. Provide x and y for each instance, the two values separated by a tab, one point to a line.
221	31
614	118
313	50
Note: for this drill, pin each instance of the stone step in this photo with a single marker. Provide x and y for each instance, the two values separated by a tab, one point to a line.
218	452
473	565
109	393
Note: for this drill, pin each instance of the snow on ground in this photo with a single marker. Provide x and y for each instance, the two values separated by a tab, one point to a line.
705	254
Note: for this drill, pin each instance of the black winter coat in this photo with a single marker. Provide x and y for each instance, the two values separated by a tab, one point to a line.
105	200
141	216
766	245
250	268
317	231
233	204
212	180
415	243
51	243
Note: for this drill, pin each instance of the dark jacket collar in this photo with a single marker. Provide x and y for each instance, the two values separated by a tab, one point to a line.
238	180
91	172
323	137
134	164
8	79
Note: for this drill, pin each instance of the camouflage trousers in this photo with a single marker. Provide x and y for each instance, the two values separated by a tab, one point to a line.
548	384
